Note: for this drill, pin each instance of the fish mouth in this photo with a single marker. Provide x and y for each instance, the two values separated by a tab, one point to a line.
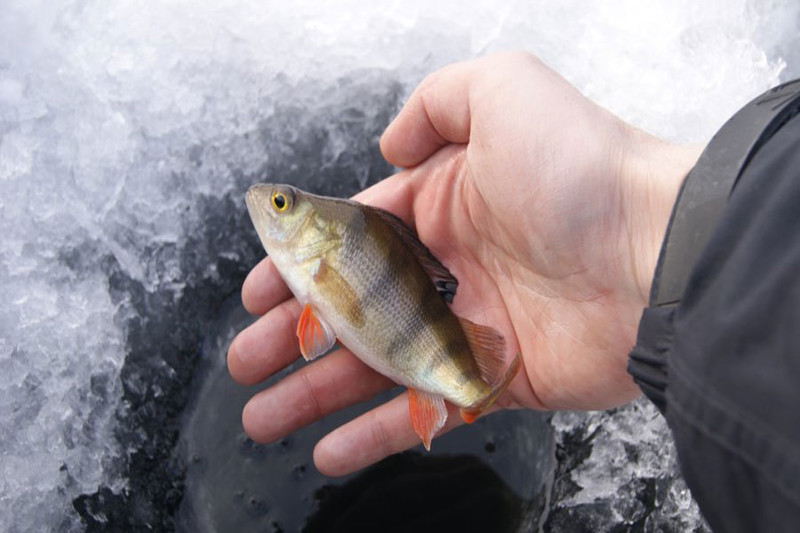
257	196
257	199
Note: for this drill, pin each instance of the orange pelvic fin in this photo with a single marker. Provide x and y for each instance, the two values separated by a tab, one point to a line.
316	336
470	414
428	414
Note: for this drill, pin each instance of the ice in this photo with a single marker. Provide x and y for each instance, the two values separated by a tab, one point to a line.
619	468
129	131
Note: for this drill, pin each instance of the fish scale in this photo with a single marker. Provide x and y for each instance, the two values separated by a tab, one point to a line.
392	308
365	279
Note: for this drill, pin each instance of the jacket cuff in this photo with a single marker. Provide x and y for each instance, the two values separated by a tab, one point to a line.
701	201
648	362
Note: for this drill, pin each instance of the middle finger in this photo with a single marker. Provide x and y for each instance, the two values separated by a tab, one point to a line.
334	382
266	346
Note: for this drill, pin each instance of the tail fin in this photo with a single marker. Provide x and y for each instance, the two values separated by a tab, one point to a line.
470	414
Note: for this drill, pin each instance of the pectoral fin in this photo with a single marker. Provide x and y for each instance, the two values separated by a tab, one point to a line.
316	336
340	293
428	414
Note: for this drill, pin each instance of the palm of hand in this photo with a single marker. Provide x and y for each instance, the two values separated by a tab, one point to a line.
546	287
538	222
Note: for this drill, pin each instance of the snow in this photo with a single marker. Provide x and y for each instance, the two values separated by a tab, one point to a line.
129	132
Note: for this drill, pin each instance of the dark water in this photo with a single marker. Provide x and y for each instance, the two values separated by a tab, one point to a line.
488	474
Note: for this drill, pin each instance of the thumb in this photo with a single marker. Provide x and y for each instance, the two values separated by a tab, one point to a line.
436	114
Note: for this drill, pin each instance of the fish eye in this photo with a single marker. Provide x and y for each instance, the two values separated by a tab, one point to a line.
279	201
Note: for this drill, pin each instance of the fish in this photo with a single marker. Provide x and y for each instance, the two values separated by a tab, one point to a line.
364	278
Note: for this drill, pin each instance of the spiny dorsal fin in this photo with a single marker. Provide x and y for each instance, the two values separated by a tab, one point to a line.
445	282
488	347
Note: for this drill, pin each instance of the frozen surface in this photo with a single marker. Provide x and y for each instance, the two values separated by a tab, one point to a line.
618	468
129	131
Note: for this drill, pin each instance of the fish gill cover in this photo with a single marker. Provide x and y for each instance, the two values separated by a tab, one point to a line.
128	134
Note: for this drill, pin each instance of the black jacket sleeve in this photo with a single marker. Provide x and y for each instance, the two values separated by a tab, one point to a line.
723	364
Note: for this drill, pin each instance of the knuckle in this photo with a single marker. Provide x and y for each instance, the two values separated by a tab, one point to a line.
311	393
380	436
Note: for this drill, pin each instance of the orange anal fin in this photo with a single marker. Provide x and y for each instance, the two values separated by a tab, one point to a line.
428	414
316	336
488	347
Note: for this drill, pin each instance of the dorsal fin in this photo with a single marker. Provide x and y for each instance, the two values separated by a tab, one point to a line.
488	347
445	282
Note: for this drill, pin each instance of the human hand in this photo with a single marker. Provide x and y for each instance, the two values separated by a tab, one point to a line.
550	212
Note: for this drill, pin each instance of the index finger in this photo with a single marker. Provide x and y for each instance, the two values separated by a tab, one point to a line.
264	288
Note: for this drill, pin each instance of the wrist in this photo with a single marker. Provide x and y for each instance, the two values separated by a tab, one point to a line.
652	174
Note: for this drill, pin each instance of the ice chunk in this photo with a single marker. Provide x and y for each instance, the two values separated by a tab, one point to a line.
618	469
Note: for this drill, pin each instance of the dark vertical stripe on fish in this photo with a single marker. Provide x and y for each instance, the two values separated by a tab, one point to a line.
394	264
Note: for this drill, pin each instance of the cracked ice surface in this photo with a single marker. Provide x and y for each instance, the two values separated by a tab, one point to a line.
619	467
129	130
